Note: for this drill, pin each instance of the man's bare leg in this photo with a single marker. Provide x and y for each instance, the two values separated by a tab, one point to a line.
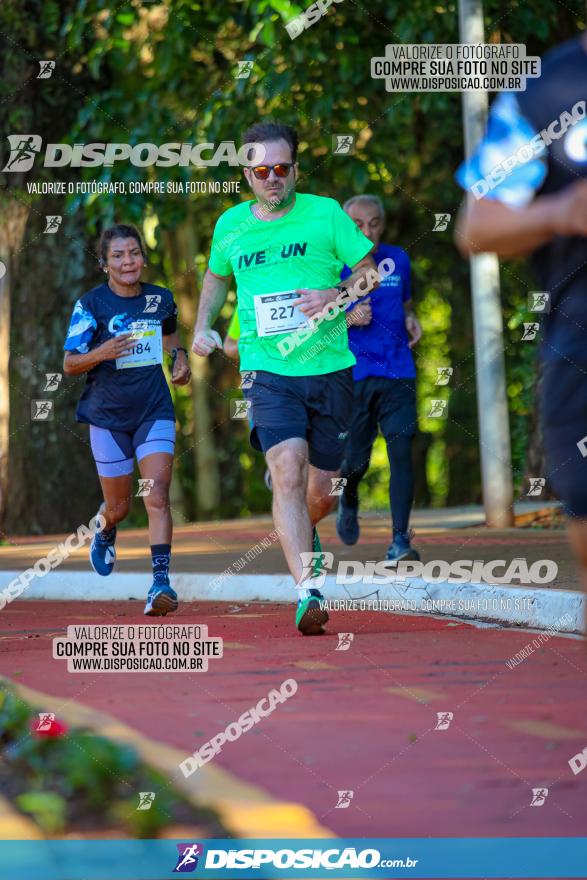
288	463
319	500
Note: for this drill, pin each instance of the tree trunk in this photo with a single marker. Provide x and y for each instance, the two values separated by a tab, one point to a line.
535	457
53	484
183	248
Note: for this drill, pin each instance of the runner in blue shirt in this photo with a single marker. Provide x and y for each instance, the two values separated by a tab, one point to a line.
381	333
117	335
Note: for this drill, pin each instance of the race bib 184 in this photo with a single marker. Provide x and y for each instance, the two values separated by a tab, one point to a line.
147	346
274	313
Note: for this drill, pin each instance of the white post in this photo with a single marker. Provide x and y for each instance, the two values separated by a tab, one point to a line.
494	427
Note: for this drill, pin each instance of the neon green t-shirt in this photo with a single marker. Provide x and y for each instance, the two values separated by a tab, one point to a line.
234	328
306	248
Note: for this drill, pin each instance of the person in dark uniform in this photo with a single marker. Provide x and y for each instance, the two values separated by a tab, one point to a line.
538	207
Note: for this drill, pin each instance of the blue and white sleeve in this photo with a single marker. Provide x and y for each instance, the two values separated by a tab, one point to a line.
82	328
509	164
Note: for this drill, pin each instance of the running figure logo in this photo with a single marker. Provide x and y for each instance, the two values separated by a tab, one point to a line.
247	379
343	144
443	375
239	409
315	565
46	69
536	485
344	641
53	222
145	486
23	149
437	409
441	222
187	861
46	720
444	719
41	410
244	70
338	484
539	795
539	301
153	300
344	799
530	331
52	381
146	799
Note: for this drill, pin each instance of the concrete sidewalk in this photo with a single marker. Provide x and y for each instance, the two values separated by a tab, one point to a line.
241	560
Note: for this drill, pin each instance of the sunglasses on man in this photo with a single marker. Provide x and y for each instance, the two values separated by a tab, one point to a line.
262	172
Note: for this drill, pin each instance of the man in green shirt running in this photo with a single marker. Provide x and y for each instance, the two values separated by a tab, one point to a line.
286	251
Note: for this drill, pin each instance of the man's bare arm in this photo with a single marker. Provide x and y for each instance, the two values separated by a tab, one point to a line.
490	226
231	347
363	273
363	279
212	297
214	291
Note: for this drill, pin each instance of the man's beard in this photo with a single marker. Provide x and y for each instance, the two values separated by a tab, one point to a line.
276	199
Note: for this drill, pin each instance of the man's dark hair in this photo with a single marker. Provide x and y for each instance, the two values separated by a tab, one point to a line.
262	132
119	230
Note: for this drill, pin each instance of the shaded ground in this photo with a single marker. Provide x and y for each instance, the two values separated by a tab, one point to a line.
214	546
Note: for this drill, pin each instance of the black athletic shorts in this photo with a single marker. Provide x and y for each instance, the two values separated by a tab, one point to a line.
389	403
316	408
563	405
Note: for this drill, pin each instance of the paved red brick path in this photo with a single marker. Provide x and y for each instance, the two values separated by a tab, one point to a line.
362	720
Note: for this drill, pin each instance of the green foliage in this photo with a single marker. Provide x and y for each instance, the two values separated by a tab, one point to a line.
82	776
47	809
157	72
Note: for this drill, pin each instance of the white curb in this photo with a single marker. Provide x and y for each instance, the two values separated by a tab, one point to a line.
561	610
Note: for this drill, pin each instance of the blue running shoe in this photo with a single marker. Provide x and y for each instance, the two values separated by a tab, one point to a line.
347	524
400	548
161	599
103	552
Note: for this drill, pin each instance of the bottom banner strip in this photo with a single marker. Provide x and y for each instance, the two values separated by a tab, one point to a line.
559	857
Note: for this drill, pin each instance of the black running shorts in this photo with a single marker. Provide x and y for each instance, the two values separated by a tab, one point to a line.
316	408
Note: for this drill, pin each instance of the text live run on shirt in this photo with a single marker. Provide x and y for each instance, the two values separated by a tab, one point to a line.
306	248
271	255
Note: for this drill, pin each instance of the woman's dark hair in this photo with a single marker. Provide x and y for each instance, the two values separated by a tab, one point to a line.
119	230
263	132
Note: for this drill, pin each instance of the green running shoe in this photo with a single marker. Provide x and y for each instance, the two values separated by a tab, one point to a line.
310	615
318	561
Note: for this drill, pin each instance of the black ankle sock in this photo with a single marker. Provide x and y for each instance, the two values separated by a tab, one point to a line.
160	557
